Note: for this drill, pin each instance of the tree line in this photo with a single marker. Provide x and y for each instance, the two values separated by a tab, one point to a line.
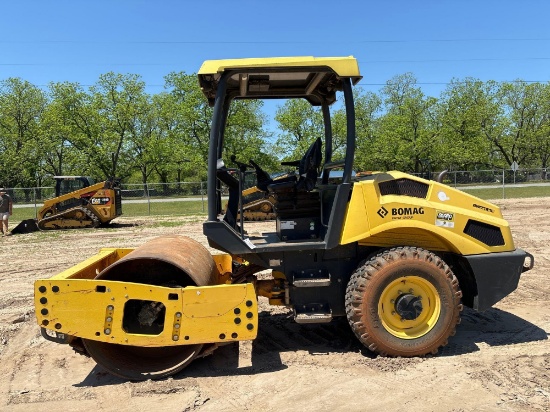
115	128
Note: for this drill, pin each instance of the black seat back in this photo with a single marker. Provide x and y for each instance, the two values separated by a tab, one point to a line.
309	166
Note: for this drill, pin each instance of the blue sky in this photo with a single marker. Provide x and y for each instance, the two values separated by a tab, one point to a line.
45	41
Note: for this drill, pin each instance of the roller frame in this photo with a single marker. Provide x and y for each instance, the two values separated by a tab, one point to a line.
209	314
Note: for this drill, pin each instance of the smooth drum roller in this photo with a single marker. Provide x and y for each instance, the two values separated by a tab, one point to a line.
170	261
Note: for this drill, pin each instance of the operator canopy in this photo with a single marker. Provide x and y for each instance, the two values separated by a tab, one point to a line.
315	78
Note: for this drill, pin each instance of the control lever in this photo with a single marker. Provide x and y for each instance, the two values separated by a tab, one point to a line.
242	166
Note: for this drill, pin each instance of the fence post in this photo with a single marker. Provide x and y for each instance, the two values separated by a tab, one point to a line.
148	198
34	198
202	196
503	196
455	178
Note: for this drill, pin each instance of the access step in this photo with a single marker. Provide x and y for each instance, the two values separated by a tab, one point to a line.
313	318
313	313
311	279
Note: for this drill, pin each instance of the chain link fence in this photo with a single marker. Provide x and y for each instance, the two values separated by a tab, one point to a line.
495	177
156	198
137	199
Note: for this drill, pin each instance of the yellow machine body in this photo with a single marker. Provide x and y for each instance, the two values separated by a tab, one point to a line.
87	207
104	210
435	222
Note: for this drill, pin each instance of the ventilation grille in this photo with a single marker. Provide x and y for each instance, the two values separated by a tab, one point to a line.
404	187
488	234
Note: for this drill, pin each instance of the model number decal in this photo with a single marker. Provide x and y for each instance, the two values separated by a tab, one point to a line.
100	200
487	209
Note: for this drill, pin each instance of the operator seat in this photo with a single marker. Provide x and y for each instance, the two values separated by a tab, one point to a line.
297	205
308	169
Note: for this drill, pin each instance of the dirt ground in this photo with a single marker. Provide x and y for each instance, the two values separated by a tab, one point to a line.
498	360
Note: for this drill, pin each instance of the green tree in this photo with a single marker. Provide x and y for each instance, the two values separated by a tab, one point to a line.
521	103
243	132
300	124
367	107
406	131
100	122
188	117
461	111
21	107
59	156
539	127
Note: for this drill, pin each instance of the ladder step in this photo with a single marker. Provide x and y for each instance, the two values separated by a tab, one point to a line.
313	317
311	282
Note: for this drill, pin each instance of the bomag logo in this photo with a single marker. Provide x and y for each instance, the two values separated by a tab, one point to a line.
407	211
382	212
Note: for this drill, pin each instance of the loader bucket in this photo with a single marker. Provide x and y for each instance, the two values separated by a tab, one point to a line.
26	226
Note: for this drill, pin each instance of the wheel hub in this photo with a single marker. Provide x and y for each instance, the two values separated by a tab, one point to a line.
408	306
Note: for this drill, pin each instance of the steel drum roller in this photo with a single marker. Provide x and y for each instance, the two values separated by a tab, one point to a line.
170	261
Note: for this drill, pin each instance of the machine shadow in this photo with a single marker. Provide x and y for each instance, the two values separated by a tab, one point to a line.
278	333
119	225
494	327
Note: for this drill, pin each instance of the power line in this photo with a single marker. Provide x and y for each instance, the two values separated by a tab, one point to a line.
200	42
364	61
459	82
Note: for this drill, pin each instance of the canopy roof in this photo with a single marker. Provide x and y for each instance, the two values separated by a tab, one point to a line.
314	78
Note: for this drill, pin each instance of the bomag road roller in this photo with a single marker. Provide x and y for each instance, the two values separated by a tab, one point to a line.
78	203
397	255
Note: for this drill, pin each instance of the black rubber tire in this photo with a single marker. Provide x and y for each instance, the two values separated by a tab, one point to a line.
373	277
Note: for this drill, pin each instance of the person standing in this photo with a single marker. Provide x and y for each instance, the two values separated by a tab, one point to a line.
6	206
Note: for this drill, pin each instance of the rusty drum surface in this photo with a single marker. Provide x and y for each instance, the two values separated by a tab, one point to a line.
172	260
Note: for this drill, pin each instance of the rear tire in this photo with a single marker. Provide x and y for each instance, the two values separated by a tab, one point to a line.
403	302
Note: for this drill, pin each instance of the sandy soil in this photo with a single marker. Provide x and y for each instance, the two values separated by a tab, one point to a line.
498	360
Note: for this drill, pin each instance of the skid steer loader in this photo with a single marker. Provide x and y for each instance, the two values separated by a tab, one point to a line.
257	204
78	203
397	255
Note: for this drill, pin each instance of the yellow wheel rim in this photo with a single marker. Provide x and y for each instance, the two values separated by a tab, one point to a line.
412	286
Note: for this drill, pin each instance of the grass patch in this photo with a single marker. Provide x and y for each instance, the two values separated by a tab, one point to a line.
167	223
23	213
190	208
509	192
195	207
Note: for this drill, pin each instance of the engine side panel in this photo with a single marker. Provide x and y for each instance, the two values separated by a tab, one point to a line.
390	209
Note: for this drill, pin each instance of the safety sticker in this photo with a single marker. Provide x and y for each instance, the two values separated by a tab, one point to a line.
287	224
445	219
